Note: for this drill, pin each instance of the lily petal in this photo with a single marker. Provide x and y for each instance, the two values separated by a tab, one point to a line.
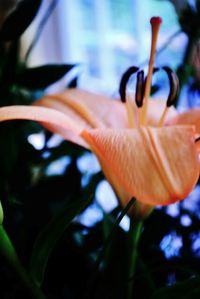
87	108
55	121
158	166
190	117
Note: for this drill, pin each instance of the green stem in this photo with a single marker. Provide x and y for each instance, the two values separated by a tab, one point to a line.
92	281
133	240
7	250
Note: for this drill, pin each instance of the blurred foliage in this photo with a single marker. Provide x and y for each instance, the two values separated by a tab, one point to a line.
188	15
41	211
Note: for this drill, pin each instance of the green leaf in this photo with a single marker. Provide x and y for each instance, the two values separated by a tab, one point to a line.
107	242
50	235
8	72
49	10
17	21
8	251
188	289
42	76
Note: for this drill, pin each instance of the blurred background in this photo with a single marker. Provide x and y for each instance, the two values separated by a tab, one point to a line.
105	37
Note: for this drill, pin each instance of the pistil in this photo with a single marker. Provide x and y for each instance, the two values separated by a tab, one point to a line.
155	26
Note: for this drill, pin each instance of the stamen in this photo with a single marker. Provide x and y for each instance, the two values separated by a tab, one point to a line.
132	117
161	121
155	26
124	80
174	87
131	113
140	86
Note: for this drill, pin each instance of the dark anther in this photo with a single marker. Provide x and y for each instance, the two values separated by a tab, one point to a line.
124	80
174	85
140	86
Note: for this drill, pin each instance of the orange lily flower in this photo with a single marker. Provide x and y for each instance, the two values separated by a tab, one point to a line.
140	156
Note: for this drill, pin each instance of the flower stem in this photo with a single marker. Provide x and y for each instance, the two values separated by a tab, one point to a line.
133	240
7	250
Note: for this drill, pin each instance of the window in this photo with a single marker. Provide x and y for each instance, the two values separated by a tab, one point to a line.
105	37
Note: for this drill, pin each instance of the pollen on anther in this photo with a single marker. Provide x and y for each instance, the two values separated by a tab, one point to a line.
124	81
140	86
174	85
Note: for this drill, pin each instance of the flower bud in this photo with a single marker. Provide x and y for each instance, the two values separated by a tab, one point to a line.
1	214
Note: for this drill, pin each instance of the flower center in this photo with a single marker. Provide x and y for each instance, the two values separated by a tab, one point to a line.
137	114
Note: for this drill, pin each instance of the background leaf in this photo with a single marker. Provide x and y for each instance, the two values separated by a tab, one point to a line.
17	22
8	71
50	235
42	76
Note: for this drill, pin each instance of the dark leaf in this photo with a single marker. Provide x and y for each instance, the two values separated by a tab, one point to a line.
8	72
48	238
187	289
107	242
42	76
41	26
154	89
73	83
17	22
